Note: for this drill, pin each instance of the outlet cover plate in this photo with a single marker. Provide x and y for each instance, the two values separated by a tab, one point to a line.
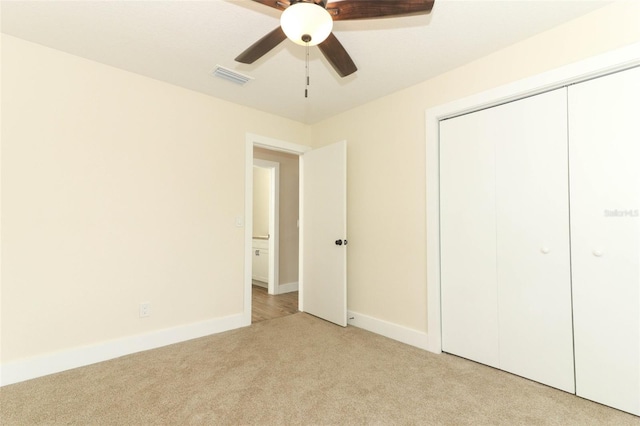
145	309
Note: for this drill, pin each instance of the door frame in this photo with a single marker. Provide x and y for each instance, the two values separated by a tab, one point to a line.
607	63
253	140
274	221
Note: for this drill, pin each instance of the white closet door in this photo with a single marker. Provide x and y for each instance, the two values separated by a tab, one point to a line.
468	245
532	211
505	275
604	139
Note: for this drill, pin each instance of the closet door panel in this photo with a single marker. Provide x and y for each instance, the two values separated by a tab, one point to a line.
604	139
532	211
468	245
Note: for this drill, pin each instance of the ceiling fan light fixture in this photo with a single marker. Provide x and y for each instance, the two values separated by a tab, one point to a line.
306	23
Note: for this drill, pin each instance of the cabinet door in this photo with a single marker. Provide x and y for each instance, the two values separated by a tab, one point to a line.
468	237
260	264
604	141
532	217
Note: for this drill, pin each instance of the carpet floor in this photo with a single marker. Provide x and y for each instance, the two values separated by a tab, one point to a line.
295	370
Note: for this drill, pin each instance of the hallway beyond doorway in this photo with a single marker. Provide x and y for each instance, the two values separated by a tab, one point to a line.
267	306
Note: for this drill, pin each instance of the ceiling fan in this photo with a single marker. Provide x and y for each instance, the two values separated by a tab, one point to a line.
309	23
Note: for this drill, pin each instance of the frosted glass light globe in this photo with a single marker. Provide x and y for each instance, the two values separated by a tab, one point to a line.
306	19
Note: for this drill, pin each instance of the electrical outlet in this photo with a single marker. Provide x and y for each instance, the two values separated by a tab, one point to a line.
145	309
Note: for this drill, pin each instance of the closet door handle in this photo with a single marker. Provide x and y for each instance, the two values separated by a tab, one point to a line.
544	250
597	253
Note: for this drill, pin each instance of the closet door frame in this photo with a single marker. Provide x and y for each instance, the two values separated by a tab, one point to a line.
597	66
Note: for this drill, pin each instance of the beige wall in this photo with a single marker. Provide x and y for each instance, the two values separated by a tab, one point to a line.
289	184
116	189
386	159
261	191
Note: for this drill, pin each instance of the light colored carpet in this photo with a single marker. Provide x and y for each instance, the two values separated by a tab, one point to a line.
294	370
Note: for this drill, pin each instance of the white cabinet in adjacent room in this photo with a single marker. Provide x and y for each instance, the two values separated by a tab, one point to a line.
260	256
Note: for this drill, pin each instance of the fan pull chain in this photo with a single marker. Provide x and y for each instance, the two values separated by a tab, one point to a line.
306	89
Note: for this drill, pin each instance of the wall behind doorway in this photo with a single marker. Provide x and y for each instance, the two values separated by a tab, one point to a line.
261	183
289	200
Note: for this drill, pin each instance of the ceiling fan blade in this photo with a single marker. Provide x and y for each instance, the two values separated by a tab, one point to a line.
337	56
276	4
262	46
342	10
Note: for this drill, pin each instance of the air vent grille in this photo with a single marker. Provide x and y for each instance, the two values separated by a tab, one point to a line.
230	75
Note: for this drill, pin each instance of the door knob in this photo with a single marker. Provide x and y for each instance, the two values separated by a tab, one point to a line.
338	242
597	253
544	250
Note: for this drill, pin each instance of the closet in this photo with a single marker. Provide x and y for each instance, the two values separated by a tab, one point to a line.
540	238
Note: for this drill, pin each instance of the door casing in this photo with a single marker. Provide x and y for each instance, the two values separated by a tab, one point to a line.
251	141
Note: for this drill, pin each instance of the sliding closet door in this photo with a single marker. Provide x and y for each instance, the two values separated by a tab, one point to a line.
532	211
468	245
604	139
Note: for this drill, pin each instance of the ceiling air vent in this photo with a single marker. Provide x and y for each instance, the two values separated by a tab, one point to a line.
231	76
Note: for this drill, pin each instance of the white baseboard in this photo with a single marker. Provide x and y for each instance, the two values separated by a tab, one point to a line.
21	370
259	283
288	287
388	329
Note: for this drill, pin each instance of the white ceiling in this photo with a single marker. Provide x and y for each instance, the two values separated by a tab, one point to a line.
181	42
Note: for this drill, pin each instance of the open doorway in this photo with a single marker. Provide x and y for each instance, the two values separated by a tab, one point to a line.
322	227
266	221
275	234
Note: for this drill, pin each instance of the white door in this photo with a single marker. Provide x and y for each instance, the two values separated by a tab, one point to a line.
323	236
468	237
532	218
604	140
505	277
